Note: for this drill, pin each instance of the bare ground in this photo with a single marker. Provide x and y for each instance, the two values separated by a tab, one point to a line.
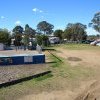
87	90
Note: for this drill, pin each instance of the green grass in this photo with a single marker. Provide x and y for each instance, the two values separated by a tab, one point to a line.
76	73
81	47
74	46
56	61
65	70
63	76
32	86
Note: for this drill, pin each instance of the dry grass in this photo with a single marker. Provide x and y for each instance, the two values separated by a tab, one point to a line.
69	78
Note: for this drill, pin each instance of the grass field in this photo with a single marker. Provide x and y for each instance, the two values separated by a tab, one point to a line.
68	78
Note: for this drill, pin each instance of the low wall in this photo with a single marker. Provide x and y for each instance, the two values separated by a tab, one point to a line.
22	59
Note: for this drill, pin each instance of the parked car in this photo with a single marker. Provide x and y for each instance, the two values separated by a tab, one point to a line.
54	40
98	44
95	42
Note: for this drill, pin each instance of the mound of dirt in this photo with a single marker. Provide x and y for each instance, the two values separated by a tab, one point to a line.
91	93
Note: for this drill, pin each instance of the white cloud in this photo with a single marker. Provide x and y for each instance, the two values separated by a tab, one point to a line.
17	22
37	10
2	17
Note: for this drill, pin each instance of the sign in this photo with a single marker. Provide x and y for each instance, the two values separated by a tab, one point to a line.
28	59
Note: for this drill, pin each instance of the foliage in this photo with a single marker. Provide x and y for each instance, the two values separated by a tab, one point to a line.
5	37
45	40
95	22
42	40
25	40
39	39
17	34
18	30
18	39
67	34
75	32
93	37
59	33
45	27
29	31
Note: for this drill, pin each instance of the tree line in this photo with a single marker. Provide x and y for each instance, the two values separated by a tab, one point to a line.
72	32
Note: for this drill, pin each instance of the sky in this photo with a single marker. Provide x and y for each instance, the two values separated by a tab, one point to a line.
57	12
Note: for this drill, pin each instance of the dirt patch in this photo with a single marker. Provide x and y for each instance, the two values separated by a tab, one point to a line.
90	58
74	59
55	95
90	93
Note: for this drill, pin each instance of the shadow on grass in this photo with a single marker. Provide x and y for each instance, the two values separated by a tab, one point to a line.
44	77
48	49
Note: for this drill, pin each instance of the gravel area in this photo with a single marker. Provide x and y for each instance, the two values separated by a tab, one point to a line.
8	73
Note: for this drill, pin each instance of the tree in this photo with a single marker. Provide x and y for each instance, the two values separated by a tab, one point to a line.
17	34
45	27
39	39
58	33
67	33
95	22
75	32
5	37
18	30
25	41
93	37
29	31
45	40
42	40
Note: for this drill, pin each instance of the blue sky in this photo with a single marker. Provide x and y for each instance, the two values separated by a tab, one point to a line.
57	12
